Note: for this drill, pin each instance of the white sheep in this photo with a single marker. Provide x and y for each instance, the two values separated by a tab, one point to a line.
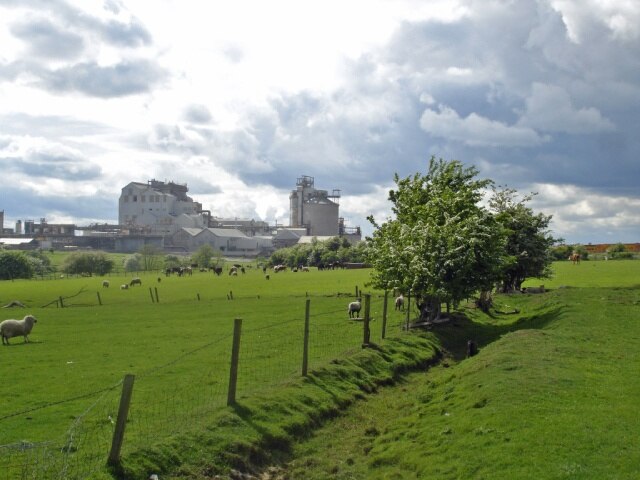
124	286
400	302
105	283
354	309
14	328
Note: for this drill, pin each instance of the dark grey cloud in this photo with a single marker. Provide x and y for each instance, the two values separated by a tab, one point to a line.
49	126
46	39
24	203
200	186
119	80
131	33
34	158
197	114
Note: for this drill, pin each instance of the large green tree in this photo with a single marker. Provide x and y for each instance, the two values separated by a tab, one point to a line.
529	241
441	245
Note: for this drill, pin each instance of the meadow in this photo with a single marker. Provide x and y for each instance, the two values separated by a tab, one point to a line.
552	394
565	356
61	390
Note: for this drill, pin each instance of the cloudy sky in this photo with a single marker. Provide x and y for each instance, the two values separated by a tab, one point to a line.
240	98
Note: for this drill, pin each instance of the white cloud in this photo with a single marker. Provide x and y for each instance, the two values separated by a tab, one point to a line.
476	130
620	17
549	109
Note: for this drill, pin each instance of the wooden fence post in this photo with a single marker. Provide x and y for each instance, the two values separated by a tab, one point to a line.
157	298
384	313
61	303
366	330
153	300
99	299
305	347
121	422
235	355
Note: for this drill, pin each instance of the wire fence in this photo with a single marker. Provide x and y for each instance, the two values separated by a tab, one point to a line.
184	393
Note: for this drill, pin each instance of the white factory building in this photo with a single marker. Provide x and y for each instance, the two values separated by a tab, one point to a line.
164	209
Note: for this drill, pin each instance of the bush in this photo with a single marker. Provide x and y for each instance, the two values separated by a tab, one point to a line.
15	265
87	264
621	256
133	263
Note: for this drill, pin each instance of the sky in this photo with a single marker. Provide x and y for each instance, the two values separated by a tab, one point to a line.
239	99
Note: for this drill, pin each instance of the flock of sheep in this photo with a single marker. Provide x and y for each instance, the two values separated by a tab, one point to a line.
14	328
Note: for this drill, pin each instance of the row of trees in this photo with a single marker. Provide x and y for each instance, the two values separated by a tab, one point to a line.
320	253
444	246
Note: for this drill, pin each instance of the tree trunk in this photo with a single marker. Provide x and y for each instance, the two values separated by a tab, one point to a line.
485	301
430	308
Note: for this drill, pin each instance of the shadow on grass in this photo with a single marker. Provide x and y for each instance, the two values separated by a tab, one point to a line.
454	335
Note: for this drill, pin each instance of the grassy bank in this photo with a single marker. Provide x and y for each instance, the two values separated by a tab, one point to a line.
551	395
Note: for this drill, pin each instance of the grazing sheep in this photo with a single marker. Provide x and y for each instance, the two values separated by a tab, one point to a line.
305	269
14	328
124	286
400	302
233	270
354	309
233	273
105	284
267	276
135	281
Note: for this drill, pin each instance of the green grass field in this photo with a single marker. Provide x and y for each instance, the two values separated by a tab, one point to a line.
551	394
65	382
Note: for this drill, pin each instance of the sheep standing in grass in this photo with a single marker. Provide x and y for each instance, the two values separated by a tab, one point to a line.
400	302
105	283
14	328
135	281
354	309
124	286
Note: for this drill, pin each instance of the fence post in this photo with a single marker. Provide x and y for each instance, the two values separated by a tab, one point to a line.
305	348
366	329
121	422
151	293
235	355
384	313
157	299
99	299
61	303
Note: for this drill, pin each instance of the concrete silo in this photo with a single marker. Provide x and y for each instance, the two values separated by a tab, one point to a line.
315	210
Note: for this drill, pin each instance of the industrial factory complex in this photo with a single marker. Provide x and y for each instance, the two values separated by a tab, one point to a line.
162	214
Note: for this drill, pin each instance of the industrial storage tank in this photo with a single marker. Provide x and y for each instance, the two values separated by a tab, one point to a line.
313	209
